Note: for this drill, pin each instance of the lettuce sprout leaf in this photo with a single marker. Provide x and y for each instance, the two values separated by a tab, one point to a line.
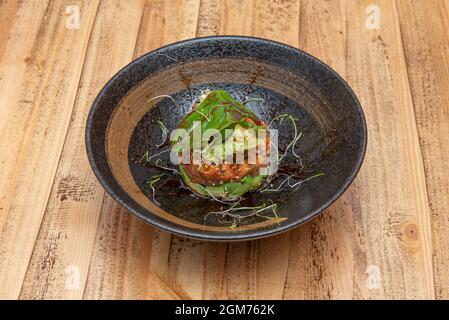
220	111
228	191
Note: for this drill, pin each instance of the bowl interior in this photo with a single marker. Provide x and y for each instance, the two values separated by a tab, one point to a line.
123	128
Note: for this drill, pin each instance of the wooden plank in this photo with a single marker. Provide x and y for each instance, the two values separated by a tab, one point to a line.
258	269
391	189
120	267
314	260
425	36
197	269
374	242
40	67
325	259
8	16
59	265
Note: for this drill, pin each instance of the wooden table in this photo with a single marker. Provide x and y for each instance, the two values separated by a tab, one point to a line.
61	236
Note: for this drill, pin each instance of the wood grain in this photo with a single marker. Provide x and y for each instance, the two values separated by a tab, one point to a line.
61	237
427	58
120	266
331	261
394	205
64	246
258	269
40	68
8	16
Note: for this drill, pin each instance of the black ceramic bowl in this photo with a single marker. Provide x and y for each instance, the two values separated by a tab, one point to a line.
122	127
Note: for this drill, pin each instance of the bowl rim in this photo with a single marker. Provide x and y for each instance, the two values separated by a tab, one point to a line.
199	234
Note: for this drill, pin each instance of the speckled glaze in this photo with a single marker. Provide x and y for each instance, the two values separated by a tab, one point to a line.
121	125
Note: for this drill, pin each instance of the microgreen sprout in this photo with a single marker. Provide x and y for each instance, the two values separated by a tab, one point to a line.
159	164
253	99
319	174
224	201
297	135
279	117
146	156
287	182
162	96
202	114
266	189
247	211
151	184
164	133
